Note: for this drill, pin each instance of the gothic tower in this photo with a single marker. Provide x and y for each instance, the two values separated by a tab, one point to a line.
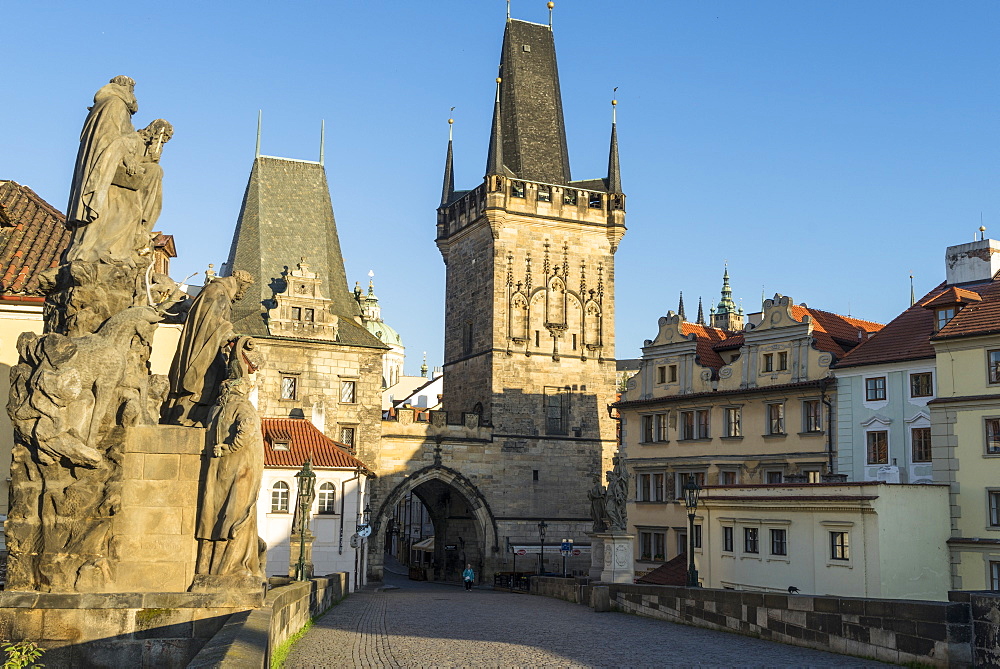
529	315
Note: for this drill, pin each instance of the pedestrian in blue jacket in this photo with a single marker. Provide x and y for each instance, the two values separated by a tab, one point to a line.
468	576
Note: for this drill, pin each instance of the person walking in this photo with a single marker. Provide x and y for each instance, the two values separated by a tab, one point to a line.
468	576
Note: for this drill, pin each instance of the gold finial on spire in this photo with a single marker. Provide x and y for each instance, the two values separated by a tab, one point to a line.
550	6
508	10
614	106
451	123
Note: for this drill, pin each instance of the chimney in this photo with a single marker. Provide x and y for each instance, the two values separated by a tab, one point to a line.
975	261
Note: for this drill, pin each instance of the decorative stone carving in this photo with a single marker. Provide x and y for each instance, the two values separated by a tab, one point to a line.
199	367
617	496
228	546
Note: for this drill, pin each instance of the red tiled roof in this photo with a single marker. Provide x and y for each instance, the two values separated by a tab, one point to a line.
834	333
978	318
707	339
906	337
671	572
304	441
33	236
953	295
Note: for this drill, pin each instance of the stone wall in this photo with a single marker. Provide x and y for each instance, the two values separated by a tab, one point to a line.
984	608
248	639
116	630
568	589
897	631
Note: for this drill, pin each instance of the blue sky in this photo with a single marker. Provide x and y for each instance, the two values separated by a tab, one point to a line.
824	149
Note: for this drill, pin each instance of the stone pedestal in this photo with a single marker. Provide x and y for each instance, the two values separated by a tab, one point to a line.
596	556
295	544
619	566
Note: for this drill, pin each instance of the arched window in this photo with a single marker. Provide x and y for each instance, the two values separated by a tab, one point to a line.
279	497
327	498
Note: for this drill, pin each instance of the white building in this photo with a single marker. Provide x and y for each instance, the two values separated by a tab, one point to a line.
844	539
338	508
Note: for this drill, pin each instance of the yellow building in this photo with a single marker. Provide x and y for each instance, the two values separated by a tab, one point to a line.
965	415
731	407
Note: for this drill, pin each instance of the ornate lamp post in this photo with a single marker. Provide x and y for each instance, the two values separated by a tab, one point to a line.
542	525
306	482
691	492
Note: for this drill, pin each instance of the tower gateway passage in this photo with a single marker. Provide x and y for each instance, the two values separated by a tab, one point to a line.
529	341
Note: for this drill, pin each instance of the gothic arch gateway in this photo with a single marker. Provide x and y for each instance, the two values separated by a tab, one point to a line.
462	519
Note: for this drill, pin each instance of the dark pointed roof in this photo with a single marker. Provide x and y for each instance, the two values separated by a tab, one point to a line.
532	129
680	307
494	159
448	188
701	313
286	216
614	168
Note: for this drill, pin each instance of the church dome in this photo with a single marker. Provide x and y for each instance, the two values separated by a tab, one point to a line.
387	335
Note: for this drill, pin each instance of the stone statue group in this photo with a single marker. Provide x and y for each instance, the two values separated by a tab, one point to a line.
607	505
88	376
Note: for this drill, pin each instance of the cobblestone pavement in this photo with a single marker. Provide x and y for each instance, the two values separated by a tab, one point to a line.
433	625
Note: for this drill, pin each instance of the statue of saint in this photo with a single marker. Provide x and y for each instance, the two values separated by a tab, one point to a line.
199	366
116	194
598	496
228	545
617	496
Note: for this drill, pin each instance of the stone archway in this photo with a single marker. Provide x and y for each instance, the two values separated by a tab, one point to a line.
465	528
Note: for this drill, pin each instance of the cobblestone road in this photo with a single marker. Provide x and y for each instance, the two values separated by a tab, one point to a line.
430	625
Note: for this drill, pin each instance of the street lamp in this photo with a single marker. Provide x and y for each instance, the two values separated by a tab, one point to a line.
541	553
306	483
691	492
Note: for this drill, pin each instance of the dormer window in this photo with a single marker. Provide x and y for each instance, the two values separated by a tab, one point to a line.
943	316
279	446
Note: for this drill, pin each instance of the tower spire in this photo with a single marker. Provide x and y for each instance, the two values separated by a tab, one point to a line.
913	298
701	313
448	187
614	168
494	161
680	307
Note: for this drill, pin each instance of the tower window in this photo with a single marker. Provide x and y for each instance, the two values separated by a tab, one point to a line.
289	388
538	336
347	436
595	201
467	345
574	342
296	313
556	402
310	315
534	474
348	392
517	189
569	197
544	194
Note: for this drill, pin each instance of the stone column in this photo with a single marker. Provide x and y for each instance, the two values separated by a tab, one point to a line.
296	545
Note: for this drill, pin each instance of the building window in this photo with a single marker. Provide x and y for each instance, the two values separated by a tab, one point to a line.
687	425
649	487
682	542
661	374
812	476
727	478
994	501
652	546
348	392
289	388
647	429
994	576
296	313
727	539
768	362
994	366
920	437
673	373
682	479
534	474
569	197
661	427
734	422
751	540
595	201
702	420
921	385
944	315
878	447
697	536
773	477
782	361
347	436
544	194
875	389
517	189
555	411
812	416
467	339
279	497
327	498
279	446
993	436
310	315
775	418
779	542
839	548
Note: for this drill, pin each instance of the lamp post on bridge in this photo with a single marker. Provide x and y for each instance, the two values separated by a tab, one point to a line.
691	492
542	525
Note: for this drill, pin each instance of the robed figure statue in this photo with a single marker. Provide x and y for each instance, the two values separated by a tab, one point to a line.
229	552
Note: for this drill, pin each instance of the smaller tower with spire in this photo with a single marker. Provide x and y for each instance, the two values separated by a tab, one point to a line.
680	307
726	316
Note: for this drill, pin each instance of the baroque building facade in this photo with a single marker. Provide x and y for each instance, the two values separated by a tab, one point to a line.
529	336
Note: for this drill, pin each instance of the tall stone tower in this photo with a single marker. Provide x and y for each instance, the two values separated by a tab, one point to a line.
529	315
